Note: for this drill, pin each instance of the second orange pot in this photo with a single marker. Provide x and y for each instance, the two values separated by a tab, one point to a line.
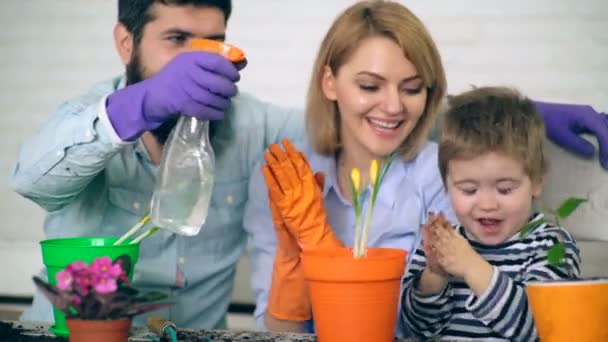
354	299
566	311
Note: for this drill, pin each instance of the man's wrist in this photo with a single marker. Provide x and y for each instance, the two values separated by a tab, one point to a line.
106	126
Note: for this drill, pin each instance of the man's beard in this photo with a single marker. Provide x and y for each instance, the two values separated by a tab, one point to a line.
135	72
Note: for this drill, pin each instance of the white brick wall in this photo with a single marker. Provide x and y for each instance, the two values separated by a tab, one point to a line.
53	49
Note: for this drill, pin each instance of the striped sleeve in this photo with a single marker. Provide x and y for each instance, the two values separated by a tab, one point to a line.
424	315
504	306
541	269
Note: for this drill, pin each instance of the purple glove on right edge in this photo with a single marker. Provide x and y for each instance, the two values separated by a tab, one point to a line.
198	84
564	123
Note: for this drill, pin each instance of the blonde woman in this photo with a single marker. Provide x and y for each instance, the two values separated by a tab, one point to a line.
377	84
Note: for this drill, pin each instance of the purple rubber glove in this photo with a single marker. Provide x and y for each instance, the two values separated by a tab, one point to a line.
564	123
198	84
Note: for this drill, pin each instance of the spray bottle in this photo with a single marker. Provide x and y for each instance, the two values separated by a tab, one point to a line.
180	201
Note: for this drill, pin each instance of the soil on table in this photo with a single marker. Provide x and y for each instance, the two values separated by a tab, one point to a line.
13	332
188	335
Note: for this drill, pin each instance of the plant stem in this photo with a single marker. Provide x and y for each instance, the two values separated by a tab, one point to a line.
145	235
368	220
356	248
134	229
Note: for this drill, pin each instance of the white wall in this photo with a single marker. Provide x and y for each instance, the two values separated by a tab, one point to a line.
54	49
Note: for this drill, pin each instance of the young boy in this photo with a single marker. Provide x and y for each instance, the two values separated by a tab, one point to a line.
468	283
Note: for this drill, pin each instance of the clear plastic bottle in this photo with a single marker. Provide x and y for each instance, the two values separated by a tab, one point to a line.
180	201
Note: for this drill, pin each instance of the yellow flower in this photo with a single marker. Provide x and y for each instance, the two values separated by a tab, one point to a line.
373	172
355	177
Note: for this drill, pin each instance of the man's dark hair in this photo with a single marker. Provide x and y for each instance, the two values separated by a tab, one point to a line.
135	14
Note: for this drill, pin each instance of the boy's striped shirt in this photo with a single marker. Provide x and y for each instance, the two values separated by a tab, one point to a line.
502	312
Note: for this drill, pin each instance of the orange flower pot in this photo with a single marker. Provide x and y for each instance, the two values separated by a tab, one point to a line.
570	310
354	299
98	331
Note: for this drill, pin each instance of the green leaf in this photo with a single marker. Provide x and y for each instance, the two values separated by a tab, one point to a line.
383	170
569	206
152	296
361	200
530	226
555	254
128	291
126	263
355	197
385	167
60	300
140	308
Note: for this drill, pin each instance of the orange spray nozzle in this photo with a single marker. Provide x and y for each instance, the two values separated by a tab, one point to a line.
234	54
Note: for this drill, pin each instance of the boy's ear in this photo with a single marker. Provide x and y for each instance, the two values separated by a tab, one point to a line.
123	41
537	187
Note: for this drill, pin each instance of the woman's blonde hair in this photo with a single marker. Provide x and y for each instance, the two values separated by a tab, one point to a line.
363	20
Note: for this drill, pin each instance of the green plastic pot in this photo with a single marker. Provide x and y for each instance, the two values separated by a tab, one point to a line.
59	253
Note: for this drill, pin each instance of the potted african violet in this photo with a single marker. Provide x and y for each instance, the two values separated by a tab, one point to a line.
97	300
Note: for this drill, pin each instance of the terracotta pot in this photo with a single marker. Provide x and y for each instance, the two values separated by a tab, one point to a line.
82	330
570	310
354	299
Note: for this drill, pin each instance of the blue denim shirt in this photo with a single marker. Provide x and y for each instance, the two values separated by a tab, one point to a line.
409	191
91	185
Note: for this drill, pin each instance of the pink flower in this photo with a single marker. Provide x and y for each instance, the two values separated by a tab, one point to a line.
76	274
106	285
104	268
89	291
73	271
105	274
64	279
83	282
77	267
101	275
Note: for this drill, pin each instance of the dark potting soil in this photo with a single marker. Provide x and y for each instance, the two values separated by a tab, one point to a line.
13	332
188	335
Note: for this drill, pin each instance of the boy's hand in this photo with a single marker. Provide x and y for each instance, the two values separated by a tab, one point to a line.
458	258
434	278
432	263
454	253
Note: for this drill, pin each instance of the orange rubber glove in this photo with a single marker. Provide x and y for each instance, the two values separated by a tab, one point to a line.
294	191
288	298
